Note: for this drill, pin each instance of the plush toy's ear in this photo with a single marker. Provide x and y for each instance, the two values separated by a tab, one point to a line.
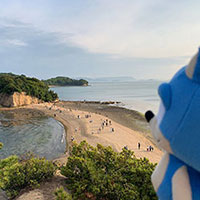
165	94
193	68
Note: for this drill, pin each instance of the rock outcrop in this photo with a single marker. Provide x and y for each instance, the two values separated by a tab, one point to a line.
17	99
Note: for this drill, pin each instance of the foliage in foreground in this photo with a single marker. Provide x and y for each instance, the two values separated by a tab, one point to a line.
1	145
17	173
65	81
10	83
102	174
61	194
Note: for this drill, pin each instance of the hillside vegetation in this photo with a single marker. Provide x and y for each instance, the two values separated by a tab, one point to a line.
65	81
10	83
17	173
93	173
99	173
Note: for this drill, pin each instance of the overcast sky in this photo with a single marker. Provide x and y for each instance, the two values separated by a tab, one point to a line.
95	38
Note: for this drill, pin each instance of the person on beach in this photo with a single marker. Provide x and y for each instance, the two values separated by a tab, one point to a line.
138	145
126	147
150	148
147	148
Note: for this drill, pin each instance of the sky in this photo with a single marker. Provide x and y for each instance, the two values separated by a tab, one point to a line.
98	38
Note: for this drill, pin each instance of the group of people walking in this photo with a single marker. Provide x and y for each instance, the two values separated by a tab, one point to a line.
149	148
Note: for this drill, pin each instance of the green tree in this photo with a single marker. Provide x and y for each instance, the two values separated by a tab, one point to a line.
65	81
100	173
61	194
17	173
10	83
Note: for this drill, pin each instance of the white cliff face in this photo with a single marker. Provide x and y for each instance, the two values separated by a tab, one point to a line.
17	99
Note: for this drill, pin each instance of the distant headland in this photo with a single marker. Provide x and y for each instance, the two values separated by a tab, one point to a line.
65	81
17	90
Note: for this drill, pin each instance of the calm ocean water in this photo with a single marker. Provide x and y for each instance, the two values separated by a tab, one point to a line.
42	136
136	95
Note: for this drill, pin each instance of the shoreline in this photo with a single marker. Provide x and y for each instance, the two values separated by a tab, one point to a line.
130	126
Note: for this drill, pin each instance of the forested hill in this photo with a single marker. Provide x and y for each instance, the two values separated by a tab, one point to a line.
65	81
10	83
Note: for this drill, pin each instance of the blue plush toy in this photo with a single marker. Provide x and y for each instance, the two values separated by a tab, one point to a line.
176	129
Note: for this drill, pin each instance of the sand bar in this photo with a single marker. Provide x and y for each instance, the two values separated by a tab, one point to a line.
80	127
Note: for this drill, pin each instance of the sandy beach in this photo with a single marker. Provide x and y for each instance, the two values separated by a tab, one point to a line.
95	123
98	128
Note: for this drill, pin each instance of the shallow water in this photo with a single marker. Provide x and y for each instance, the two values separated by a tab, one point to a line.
137	95
43	136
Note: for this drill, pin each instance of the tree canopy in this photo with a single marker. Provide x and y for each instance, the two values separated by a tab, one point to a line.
101	173
65	81
10	83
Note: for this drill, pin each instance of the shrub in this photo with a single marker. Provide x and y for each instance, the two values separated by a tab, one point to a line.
62	195
100	173
1	145
16	173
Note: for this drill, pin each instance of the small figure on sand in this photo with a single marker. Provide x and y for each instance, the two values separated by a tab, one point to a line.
54	115
112	129
150	148
138	145
126	147
110	122
72	138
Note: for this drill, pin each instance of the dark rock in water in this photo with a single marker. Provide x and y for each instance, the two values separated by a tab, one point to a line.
3	195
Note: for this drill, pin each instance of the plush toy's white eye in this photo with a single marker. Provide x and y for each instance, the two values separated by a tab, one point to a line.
165	94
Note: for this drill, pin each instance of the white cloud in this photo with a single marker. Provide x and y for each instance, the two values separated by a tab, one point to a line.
127	28
16	42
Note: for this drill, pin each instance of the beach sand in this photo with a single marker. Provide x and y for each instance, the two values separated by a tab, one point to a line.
83	121
90	129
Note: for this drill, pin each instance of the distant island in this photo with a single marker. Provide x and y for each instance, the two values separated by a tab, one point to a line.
65	81
20	84
111	79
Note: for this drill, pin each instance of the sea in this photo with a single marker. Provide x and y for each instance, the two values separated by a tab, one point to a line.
44	136
138	95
